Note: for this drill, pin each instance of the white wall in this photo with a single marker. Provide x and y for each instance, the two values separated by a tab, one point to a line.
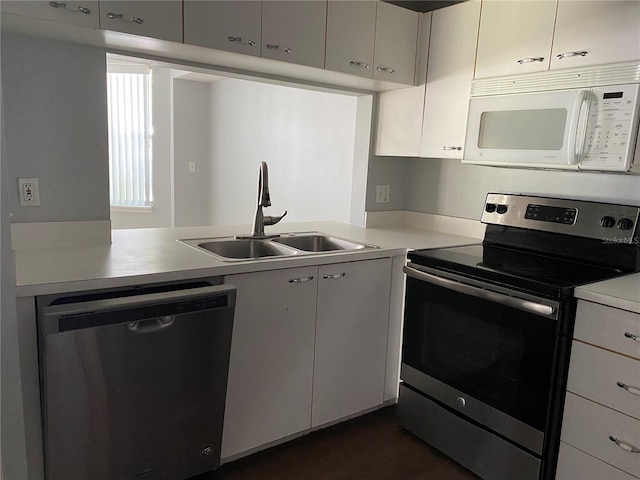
192	132
306	137
56	127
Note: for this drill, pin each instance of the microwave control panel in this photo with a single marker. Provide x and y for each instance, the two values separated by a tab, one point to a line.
611	128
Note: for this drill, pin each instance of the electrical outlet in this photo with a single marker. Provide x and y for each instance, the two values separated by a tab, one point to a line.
382	193
192	166
29	192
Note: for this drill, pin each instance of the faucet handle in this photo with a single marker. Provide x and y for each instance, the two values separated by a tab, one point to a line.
270	220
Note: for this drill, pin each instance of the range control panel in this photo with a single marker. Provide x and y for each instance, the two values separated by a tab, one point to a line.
611	127
609	222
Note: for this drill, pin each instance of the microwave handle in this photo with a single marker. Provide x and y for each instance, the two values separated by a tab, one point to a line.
577	127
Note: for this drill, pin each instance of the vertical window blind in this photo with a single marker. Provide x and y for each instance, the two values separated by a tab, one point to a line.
130	135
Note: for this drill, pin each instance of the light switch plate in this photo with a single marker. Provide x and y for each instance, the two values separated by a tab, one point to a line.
382	193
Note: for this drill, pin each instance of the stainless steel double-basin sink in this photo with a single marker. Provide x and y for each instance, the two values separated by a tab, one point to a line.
284	245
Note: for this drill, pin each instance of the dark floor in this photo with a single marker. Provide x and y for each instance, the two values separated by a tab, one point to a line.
371	447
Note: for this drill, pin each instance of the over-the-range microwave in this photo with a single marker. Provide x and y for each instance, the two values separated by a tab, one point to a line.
573	119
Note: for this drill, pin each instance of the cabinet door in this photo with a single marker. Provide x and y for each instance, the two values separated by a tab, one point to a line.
351	338
395	45
83	13
294	31
271	365
157	19
454	32
514	37
351	32
608	31
225	25
400	112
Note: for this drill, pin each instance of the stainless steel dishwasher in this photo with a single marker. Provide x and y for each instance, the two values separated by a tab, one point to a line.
133	383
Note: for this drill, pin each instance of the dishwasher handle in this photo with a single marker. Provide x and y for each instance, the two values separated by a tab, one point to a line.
152	325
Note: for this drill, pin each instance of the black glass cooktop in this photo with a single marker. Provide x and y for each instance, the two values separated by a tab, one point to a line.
537	273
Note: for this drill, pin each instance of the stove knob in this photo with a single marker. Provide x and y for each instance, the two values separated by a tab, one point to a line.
490	207
607	221
625	224
501	209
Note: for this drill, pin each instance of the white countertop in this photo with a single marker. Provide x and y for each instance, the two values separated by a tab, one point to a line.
621	292
154	255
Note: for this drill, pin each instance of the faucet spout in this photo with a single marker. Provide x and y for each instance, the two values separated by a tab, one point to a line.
264	200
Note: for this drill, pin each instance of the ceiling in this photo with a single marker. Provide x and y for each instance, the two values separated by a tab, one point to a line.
423	5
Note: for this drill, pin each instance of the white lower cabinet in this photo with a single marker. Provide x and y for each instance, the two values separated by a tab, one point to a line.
271	365
309	347
351	338
601	424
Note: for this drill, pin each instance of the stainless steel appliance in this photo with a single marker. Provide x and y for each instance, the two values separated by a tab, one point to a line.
575	119
488	326
133	382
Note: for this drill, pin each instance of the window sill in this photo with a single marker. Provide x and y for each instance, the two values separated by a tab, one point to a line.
131	209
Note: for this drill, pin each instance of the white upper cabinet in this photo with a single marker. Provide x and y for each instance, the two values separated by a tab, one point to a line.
157	19
83	13
351	31
596	32
452	50
537	35
225	25
395	44
294	31
515	37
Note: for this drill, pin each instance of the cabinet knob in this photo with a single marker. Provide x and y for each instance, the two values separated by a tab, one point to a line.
358	64
447	147
581	53
120	16
85	10
522	61
386	69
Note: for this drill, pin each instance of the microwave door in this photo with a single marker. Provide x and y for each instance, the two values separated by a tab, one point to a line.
536	130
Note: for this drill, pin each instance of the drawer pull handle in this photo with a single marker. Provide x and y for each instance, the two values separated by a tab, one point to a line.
120	16
447	148
85	10
359	64
251	43
581	53
334	275
386	69
629	388
301	279
625	446
522	61
632	336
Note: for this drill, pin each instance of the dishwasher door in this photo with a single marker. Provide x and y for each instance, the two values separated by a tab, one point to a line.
134	387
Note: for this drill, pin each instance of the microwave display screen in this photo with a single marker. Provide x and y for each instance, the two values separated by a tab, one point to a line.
539	129
612	95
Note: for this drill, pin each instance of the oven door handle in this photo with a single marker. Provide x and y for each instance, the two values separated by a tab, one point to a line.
508	300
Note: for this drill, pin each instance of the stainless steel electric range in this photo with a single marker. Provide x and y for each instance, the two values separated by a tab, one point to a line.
488	326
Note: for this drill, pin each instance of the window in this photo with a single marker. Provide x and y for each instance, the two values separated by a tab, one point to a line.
130	136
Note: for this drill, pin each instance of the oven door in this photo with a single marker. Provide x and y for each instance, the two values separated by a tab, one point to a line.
486	352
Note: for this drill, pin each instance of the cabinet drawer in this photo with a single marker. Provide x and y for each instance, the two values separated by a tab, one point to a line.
608	327
594	373
574	464
588	426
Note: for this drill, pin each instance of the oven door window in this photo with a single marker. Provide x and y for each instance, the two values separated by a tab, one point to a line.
499	355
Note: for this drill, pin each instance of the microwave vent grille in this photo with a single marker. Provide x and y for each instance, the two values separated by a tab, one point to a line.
595	76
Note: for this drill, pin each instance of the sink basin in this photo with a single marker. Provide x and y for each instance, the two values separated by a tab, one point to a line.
232	249
245	248
318	243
